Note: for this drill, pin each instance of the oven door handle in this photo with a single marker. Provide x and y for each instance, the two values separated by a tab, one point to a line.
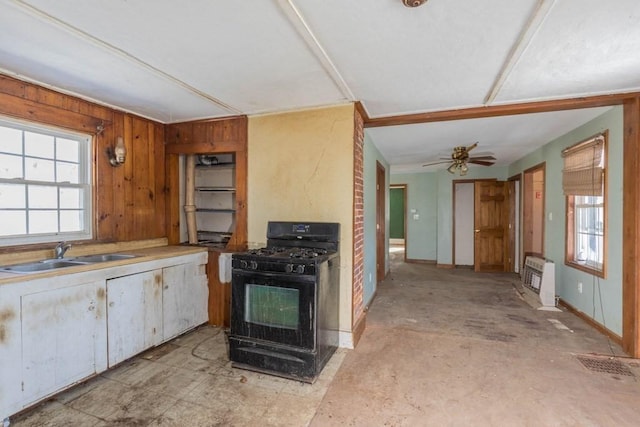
266	274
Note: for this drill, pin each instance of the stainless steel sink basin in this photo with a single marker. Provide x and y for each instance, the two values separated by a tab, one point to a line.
102	258
55	263
32	267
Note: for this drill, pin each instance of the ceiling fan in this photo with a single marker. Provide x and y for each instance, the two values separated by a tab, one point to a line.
460	159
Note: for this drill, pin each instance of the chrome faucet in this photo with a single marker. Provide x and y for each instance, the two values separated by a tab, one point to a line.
61	248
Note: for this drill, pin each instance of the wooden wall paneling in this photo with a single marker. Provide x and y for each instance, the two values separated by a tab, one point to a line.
238	241
228	135
142	210
123	196
104	184
129	200
158	180
172	198
631	230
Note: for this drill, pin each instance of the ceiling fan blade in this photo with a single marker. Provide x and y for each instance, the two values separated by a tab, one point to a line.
436	163
472	146
482	158
480	162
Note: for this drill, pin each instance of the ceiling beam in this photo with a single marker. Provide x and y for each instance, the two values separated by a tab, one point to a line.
537	17
294	16
503	110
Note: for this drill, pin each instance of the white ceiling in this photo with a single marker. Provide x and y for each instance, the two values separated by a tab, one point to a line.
175	61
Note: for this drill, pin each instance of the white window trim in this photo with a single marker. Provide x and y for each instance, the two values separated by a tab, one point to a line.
85	186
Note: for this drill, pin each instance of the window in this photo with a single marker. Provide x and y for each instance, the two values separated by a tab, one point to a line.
45	191
584	187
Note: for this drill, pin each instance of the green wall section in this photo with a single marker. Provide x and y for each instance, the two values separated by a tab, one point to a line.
396	213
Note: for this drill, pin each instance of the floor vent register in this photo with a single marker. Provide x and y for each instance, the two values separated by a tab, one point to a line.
605	365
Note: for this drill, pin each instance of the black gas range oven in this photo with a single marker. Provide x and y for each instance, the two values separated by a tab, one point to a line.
284	301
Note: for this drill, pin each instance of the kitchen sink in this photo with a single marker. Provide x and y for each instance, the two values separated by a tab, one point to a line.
102	258
33	267
56	263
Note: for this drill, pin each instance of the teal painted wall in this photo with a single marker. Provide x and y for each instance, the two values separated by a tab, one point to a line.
422	233
371	156
396	213
430	237
601	299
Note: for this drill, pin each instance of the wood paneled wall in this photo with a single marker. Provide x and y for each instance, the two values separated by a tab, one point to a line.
228	135
130	200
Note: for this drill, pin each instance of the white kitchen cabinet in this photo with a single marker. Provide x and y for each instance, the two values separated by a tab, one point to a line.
184	298
10	353
63	337
135	314
58	330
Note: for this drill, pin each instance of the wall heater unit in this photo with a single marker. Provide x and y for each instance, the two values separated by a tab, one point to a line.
539	283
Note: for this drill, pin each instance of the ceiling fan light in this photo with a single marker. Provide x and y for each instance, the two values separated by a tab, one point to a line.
452	168
413	3
463	169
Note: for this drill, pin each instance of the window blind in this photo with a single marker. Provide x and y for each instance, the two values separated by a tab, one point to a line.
583	172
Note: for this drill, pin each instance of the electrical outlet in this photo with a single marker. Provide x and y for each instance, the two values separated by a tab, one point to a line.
579	287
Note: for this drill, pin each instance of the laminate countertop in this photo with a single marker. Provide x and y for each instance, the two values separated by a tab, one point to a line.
142	254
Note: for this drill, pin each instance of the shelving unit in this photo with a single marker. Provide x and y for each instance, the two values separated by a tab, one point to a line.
215	197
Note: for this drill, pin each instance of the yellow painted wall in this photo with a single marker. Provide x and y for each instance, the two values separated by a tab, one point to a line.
301	169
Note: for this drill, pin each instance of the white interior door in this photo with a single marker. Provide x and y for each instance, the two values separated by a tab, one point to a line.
463	217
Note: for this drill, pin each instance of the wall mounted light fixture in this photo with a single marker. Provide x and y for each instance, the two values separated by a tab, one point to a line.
117	153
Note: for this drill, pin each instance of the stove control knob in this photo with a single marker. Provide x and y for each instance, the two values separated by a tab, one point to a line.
300	269
243	264
288	268
254	265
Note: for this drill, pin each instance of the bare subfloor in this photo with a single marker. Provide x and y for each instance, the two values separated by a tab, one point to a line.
442	347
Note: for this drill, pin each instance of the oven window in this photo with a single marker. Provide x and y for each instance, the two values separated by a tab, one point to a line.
272	306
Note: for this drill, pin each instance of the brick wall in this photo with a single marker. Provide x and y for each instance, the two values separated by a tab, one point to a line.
358	218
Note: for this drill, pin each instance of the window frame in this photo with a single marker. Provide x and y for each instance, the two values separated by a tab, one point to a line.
570	228
85	184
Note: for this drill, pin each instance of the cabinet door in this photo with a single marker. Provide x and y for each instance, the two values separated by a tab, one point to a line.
10	351
135	318
63	337
184	298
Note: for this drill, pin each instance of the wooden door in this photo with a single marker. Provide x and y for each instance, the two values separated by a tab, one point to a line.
380	222
491	236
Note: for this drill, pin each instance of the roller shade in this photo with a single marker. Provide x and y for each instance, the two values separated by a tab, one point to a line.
583	172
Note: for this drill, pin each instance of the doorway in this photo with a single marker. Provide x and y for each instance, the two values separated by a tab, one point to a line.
380	222
515	209
398	215
482	212
463	193
533	195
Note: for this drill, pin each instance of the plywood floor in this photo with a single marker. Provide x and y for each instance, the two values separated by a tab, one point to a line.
441	348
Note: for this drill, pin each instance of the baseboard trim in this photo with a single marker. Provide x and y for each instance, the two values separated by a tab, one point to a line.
447	266
420	261
597	326
359	328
